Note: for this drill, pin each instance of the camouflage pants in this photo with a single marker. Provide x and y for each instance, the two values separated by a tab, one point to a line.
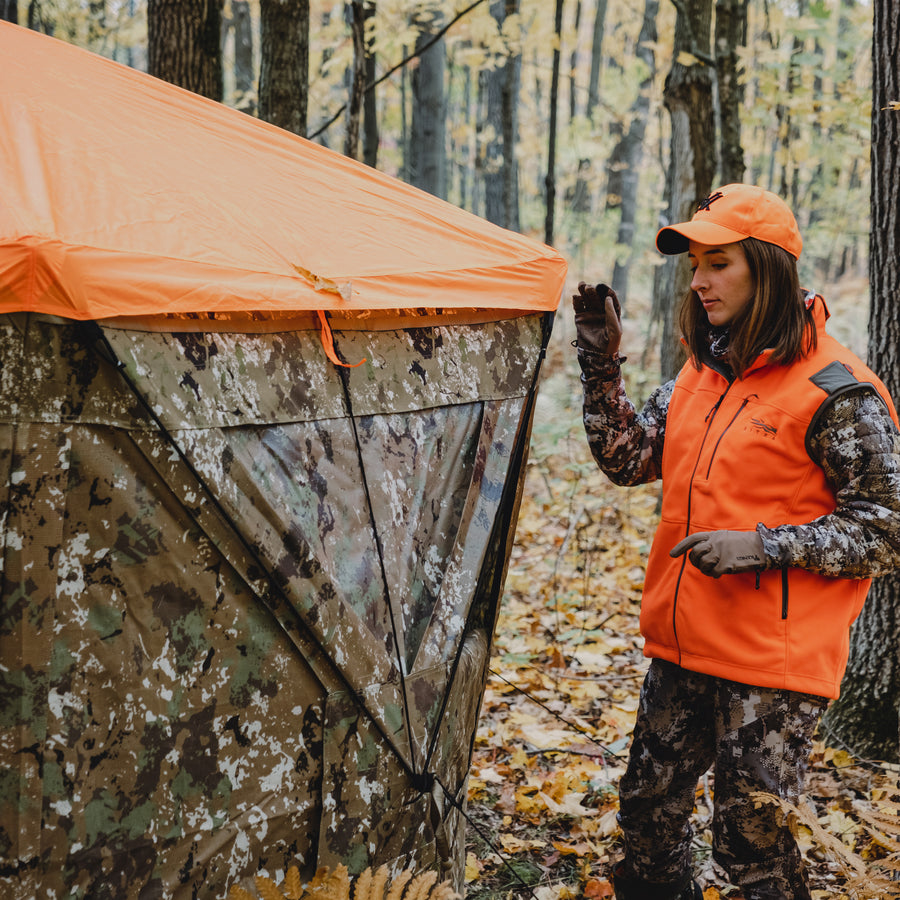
755	739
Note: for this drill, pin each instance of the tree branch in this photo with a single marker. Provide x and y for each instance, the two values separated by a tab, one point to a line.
435	38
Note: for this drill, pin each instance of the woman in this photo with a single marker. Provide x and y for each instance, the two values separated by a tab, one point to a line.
779	455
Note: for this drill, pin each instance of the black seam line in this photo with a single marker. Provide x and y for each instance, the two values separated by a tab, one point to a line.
784	592
379	549
95	333
502	523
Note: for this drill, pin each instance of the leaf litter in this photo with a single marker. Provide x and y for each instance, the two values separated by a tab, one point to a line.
562	692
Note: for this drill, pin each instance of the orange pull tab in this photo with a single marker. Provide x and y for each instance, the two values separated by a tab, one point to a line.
327	338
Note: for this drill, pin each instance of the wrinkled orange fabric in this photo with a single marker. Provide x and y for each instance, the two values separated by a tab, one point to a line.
123	195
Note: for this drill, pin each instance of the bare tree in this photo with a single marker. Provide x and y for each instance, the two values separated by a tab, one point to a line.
427	150
596	58
243	55
356	18
550	179
371	134
500	87
867	714
688	96
628	155
184	44
284	63
731	33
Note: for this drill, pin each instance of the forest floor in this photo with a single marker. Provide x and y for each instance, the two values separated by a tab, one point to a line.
563	688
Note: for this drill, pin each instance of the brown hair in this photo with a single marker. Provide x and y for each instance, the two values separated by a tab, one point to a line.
776	317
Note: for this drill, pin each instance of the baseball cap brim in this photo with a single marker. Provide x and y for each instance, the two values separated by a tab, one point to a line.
676	238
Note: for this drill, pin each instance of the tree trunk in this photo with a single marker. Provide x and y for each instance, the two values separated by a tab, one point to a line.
630	153
427	149
284	63
243	56
371	135
9	11
731	33
573	66
692	164
500	89
867	714
596	58
356	18
184	44
550	179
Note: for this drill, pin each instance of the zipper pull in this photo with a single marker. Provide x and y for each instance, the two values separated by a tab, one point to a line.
757	580
715	408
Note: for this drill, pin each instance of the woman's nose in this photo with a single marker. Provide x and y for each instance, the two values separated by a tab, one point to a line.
697	280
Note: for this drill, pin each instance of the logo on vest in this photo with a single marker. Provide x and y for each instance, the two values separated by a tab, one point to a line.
769	432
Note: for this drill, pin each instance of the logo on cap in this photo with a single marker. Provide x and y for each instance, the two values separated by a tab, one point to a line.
705	204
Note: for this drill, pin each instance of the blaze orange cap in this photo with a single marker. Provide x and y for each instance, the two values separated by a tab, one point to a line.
732	213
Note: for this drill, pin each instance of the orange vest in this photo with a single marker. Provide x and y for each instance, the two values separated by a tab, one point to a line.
735	455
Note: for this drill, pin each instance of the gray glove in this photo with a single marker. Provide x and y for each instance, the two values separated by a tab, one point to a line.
718	553
598	319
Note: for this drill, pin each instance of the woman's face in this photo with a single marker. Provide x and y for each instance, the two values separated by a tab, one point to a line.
721	279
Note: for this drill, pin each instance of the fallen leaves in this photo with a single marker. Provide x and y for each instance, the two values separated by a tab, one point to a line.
335	884
561	698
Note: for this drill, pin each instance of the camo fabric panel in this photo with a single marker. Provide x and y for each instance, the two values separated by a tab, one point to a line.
200	679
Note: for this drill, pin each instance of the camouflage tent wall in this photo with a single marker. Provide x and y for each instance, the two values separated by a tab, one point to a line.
247	591
244	658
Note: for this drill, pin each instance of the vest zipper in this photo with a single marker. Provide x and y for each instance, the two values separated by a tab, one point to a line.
710	416
784	592
727	428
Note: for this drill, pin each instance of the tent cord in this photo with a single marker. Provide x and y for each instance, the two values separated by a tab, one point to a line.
99	343
497	851
379	549
562	719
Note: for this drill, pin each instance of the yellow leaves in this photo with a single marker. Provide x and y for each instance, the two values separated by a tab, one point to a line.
687	59
335	884
570	805
473	867
512	844
840	759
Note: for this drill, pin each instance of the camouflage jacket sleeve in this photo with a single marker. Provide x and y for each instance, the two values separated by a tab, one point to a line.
858	447
626	444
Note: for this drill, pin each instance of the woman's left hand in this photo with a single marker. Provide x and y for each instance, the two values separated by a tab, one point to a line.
717	553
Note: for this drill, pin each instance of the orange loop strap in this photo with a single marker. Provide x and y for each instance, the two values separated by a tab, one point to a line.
327	337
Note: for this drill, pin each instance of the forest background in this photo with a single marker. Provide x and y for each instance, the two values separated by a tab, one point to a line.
561	120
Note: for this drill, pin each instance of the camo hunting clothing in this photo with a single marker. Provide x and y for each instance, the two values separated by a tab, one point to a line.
755	739
855	442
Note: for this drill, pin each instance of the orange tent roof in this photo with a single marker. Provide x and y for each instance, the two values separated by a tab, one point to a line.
123	195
